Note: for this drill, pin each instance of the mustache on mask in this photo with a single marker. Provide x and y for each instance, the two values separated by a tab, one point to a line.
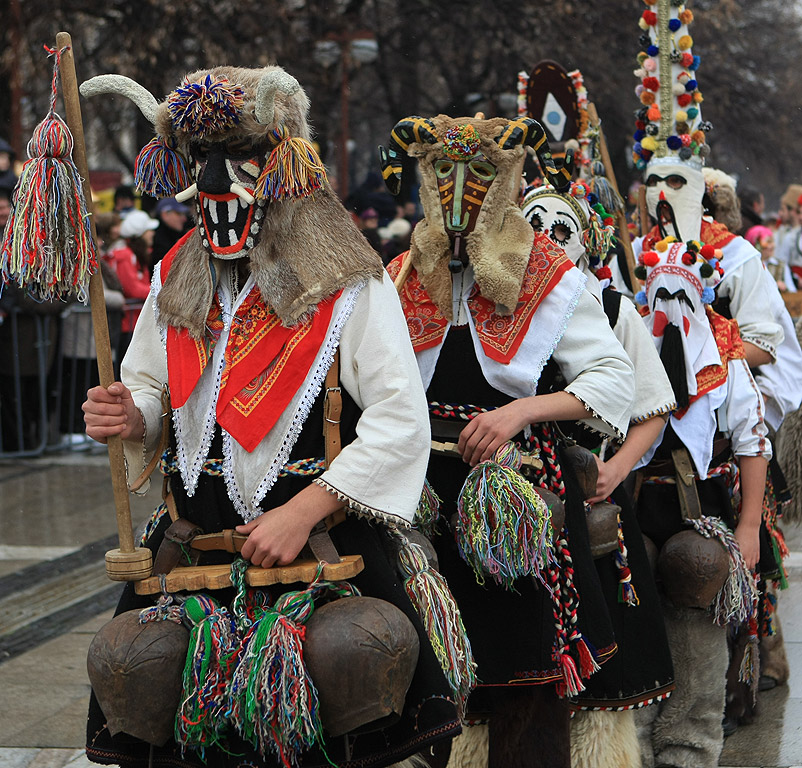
672	356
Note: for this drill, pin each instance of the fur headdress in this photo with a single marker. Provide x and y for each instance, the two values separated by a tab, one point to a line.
500	244
267	179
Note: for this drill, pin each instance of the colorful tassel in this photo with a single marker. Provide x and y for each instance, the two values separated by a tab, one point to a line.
737	600
212	649
293	169
206	107
48	248
434	603
503	526
626	590
428	512
167	608
749	671
160	170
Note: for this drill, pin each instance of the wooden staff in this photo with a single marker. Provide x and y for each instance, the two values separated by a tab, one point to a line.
128	563
620	216
643	212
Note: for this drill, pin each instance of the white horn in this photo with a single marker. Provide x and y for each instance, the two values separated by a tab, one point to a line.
240	191
275	80
187	194
124	86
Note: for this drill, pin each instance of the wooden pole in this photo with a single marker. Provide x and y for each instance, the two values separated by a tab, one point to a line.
620	216
643	212
126	563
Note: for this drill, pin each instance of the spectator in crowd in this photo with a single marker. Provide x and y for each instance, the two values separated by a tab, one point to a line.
763	239
124	200
369	224
753	206
395	239
174	223
130	262
372	194
787	221
8	178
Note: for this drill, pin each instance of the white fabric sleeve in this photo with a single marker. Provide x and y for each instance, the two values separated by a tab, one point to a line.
381	472
144	372
750	305
743	411
653	393
598	371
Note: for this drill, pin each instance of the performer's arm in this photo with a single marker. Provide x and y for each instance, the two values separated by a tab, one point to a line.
753	486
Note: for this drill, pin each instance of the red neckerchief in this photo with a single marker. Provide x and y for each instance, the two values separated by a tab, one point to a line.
712	233
730	347
265	362
500	335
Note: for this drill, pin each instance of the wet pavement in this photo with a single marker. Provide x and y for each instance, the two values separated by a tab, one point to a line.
56	522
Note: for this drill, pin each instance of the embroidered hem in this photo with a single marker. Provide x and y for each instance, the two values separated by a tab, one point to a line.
663	410
364	510
619	435
762	344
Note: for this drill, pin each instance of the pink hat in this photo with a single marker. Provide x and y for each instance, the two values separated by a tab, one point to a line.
757	233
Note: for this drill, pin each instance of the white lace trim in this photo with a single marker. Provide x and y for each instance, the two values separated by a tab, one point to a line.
560	332
663	410
248	510
619	435
761	343
363	510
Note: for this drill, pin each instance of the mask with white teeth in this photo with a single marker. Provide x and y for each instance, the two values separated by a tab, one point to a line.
238	141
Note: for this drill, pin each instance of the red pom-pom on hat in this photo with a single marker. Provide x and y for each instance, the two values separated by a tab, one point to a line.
604	273
652	83
650	258
708	252
684	99
650	17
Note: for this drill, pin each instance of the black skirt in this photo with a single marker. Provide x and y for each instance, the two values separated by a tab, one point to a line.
429	712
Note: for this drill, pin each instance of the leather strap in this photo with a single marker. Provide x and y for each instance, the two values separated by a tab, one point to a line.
332	411
165	436
177	537
689	503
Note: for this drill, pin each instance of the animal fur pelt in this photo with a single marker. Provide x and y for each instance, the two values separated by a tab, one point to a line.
416	761
773	658
307	250
498	247
604	740
789	454
470	748
686	732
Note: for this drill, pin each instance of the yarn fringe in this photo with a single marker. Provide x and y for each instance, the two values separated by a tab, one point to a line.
434	603
503	526
737	600
626	590
428	512
160	170
749	671
293	169
48	249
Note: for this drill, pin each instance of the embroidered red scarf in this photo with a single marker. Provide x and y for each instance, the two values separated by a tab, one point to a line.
500	335
265	362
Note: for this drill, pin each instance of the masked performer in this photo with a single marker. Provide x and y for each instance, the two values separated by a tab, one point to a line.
640	673
507	341
714	452
243	321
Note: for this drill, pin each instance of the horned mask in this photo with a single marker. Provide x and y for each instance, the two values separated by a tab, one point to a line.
237	140
470	172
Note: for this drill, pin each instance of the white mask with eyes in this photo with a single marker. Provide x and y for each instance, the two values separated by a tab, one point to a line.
562	218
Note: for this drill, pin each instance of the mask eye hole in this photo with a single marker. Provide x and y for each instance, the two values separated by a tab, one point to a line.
443	168
652	180
675	181
561	232
536	222
484	171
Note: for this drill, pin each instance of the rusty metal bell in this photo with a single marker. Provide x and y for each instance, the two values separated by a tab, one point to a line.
361	654
602	521
583	462
693	569
136	673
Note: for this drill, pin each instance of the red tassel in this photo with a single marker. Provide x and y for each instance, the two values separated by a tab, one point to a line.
587	664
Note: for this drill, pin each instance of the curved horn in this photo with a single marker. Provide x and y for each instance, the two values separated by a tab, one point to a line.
124	86
529	133
408	131
272	81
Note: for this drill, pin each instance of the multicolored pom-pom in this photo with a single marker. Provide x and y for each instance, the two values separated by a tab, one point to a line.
160	170
206	107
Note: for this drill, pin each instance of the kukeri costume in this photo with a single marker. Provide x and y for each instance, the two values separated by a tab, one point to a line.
243	322
496	313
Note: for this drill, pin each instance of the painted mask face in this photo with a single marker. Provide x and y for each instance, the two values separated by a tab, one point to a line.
463	185
229	222
682	188
562	220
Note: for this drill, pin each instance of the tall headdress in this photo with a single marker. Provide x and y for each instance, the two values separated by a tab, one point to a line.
668	125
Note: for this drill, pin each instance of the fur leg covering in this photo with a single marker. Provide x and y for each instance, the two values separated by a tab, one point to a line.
687	730
416	761
644	724
773	659
741	704
604	740
470	748
529	728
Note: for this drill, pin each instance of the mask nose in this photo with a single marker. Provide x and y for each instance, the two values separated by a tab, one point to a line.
213	178
662	195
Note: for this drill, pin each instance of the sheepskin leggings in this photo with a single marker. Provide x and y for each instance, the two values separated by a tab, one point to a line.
685	731
530	728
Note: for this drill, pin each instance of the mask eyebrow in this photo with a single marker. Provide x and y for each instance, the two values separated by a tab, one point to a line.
570	216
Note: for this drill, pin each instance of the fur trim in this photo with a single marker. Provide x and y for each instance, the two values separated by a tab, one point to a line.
307	250
416	761
500	244
290	111
773	658
604	740
470	748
